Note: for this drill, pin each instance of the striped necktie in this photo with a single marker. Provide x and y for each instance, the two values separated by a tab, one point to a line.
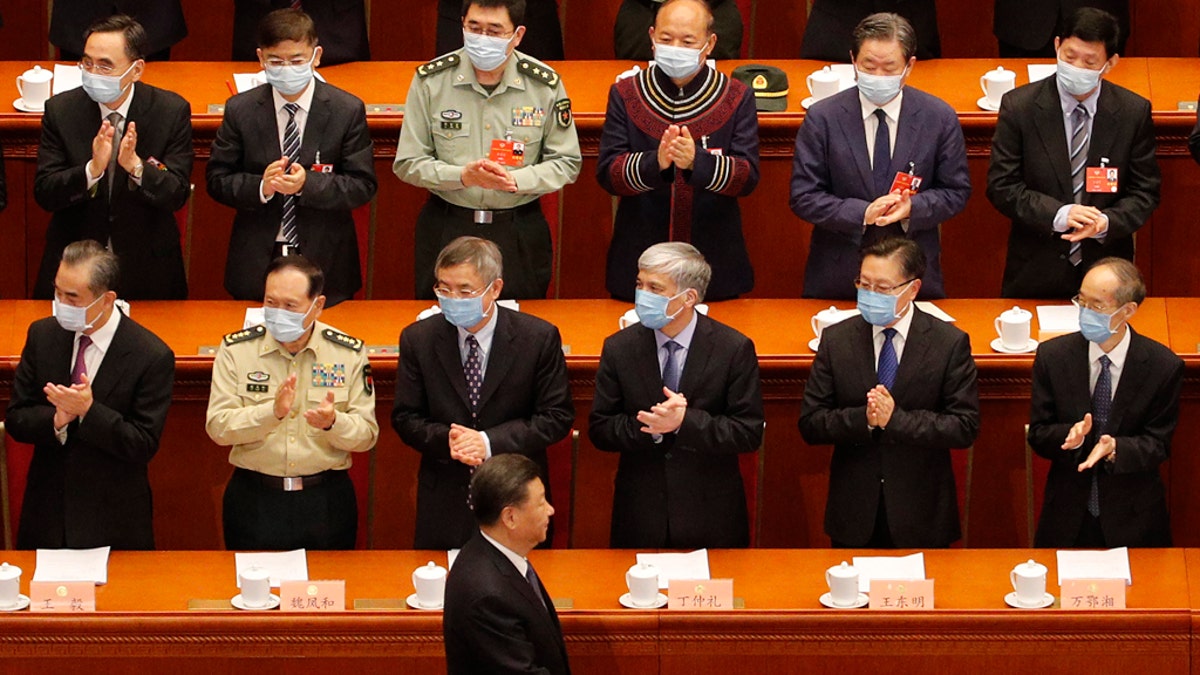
1080	142
291	149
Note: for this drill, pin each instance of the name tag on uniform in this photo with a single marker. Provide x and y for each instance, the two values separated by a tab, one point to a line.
905	181
507	153
1102	179
329	375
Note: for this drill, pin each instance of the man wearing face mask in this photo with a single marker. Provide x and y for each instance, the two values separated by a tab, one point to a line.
880	160
1056	145
294	157
680	145
488	130
1104	407
893	422
678	396
114	164
478	381
294	398
91	394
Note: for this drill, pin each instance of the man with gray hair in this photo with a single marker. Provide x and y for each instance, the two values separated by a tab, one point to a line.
678	396
91	394
484	381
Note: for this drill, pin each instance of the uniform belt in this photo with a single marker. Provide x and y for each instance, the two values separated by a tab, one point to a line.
293	483
487	216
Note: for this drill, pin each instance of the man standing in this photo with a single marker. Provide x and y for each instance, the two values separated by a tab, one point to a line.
635	17
482	382
679	397
1104	407
114	164
91	394
1055	143
830	22
163	20
893	390
1027	28
680	145
295	159
881	160
544	41
499	617
488	130
294	398
341	27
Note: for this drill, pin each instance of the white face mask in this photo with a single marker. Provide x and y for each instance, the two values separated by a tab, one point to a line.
1078	81
879	89
74	318
486	53
677	62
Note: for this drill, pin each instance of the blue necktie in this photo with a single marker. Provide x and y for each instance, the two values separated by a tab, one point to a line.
670	374
534	581
882	158
291	148
1101	406
887	360
474	372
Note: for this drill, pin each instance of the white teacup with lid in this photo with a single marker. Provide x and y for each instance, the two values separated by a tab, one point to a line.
843	584
10	585
642	580
824	319
823	83
430	583
1029	581
996	83
34	87
1013	327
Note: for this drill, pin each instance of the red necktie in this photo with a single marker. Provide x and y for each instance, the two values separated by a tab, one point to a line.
80	368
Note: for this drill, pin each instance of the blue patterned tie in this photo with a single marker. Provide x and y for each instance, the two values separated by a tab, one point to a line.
882	157
670	374
291	149
887	360
1080	142
1101	406
534	581
474	373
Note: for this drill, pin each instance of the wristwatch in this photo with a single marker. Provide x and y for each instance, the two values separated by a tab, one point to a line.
137	171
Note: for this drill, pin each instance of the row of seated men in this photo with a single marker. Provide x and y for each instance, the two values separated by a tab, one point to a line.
677	396
489	130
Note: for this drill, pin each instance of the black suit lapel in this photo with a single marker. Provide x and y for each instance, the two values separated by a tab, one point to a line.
1131	384
698	355
864	345
645	359
541	606
445	345
1104	127
62	344
501	358
908	131
854	136
1076	375
916	348
1051	131
314	126
111	371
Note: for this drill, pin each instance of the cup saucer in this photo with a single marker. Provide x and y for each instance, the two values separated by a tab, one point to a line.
983	103
272	603
626	600
1011	601
1029	347
814	343
861	601
807	103
22	603
21	105
412	602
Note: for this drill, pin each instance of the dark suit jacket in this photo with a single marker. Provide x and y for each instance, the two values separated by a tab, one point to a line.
832	185
631	38
162	19
908	463
1145	408
93	491
525	406
543	31
494	622
341	28
1029	178
1032	24
685	492
247	141
828	35
139	220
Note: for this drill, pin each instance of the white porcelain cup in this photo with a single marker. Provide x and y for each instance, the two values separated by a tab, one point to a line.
1029	581
824	319
1013	327
996	83
256	586
34	86
823	83
642	580
430	583
843	584
10	584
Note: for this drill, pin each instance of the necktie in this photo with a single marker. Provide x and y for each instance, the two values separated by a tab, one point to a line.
670	374
291	148
80	368
887	360
474	373
881	160
296	4
534	581
1101	406
114	118
1080	142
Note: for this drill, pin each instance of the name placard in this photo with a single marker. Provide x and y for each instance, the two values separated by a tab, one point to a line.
312	596
1093	594
62	596
901	594
706	595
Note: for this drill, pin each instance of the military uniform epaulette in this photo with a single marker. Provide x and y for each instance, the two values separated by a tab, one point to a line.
245	335
437	65
538	71
342	339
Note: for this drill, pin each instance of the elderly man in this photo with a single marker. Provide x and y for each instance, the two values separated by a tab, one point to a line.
679	146
678	396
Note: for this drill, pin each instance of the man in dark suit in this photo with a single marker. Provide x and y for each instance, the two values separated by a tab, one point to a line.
635	18
1027	28
114	164
498	616
543	38
91	394
484	381
1104	407
295	159
679	397
893	390
341	28
831	22
162	19
851	198
1072	165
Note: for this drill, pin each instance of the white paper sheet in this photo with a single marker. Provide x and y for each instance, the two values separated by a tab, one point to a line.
934	311
845	73
254	317
1058	318
64	564
451	556
670	566
1110	564
1040	71
66	78
888	567
289	565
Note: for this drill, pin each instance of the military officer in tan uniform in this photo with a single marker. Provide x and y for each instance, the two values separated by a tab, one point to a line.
294	398
488	130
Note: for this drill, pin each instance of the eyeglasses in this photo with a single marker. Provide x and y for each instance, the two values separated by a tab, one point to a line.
876	288
1078	301
477	29
96	68
298	61
443	292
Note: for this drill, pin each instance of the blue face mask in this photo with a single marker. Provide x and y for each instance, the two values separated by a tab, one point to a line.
879	309
74	318
286	326
1077	81
879	89
290	80
651	308
1094	326
464	312
104	88
486	53
677	63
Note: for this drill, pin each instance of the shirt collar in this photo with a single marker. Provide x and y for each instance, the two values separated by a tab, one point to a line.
484	335
464	73
668	87
122	109
1118	353
901	326
102	337
305	100
684	339
518	561
270	344
891	108
1069	102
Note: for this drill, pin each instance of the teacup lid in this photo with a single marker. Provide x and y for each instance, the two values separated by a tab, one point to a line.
1032	568
1000	74
825	74
643	571
830	312
430	571
843	570
37	74
256	572
1015	314
9	572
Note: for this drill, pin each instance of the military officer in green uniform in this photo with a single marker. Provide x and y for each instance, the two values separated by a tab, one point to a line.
294	399
488	130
